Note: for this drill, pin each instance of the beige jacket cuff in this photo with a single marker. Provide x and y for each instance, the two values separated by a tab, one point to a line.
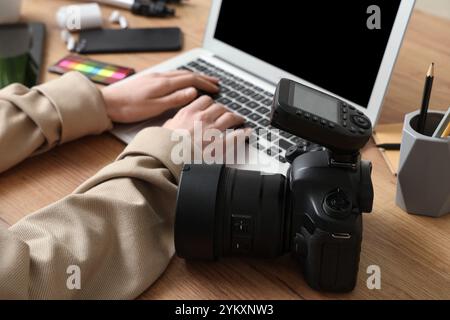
81	110
154	142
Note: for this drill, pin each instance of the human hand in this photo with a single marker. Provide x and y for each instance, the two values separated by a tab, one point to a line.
209	115
149	95
204	110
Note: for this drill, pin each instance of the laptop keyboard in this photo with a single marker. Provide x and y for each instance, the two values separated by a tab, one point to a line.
251	102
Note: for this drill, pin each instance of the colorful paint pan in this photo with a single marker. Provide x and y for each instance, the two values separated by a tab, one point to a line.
97	71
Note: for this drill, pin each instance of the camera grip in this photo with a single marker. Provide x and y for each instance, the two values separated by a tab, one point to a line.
330	261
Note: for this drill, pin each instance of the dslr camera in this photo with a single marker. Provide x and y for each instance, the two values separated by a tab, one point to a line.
314	213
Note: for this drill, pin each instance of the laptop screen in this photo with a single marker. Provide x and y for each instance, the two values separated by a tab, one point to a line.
336	45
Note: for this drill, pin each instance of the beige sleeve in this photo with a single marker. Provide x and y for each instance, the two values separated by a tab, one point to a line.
111	238
35	120
115	231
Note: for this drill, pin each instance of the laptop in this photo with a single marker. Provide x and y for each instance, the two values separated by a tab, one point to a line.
344	48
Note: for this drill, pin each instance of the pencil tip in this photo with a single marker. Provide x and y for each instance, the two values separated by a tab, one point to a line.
430	72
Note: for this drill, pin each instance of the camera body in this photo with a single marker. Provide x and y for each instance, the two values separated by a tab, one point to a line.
326	221
315	212
330	187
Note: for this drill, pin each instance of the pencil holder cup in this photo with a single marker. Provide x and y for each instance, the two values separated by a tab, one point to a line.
423	185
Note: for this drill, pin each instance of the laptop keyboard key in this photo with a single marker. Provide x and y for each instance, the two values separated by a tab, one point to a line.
254	117
224	101
296	140
248	92
258	97
263	110
258	146
185	68
224	89
233	94
264	122
269	136
285	134
282	159
273	151
284	144
233	84
267	102
234	106
242	99
253	105
227	82
244	111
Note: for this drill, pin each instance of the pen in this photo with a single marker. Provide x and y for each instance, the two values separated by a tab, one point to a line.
446	132
442	125
426	99
389	146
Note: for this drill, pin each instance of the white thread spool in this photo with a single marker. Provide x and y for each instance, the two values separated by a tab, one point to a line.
80	17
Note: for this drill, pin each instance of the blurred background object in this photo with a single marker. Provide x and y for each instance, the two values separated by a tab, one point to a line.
21	59
10	11
437	7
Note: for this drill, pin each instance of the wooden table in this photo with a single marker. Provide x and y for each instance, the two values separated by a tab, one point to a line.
413	252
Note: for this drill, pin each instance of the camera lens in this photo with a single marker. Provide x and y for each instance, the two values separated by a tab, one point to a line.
223	211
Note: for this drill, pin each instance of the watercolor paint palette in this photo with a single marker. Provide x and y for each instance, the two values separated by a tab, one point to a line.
97	71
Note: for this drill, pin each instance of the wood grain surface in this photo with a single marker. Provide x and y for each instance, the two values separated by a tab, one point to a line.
413	252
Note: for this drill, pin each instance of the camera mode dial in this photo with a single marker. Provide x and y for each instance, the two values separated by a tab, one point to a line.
337	204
